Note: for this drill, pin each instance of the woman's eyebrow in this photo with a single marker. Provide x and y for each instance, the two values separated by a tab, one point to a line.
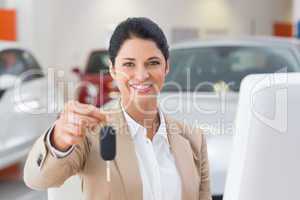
154	57
132	59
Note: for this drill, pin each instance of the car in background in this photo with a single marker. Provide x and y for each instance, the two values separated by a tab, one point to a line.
24	101
96	84
202	87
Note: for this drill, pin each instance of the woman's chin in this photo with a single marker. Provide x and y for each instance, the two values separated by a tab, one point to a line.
144	98
135	96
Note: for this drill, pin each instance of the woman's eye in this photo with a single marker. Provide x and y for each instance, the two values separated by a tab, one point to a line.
154	63
129	64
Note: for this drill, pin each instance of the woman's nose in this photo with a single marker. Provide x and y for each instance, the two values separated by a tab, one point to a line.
141	74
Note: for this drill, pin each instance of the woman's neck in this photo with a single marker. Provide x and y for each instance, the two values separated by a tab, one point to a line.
146	114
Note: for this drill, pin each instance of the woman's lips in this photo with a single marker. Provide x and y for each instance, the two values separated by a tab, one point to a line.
142	88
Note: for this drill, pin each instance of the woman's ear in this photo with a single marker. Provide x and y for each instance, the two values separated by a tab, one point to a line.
112	70
167	66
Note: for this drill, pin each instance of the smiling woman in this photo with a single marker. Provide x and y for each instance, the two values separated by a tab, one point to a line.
140	76
157	157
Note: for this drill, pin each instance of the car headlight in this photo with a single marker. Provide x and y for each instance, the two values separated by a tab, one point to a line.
112	85
92	90
27	106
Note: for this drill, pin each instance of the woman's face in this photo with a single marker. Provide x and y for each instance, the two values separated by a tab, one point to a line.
140	69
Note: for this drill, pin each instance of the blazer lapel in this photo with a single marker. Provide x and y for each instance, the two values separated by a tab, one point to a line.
183	155
126	160
127	164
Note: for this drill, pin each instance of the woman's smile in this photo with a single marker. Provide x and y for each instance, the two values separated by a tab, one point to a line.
141	88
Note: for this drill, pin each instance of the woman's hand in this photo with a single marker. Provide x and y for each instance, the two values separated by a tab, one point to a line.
71	126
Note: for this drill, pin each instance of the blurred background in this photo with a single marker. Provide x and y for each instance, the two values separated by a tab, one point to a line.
56	49
63	32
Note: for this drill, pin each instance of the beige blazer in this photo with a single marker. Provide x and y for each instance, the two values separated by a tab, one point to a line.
43	170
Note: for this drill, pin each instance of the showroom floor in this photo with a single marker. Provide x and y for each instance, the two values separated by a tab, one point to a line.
16	190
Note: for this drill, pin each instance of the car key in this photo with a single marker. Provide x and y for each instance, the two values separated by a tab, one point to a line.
108	147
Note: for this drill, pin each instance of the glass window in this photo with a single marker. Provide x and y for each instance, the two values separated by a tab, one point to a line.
15	62
98	62
191	67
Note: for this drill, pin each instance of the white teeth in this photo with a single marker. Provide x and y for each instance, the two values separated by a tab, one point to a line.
141	87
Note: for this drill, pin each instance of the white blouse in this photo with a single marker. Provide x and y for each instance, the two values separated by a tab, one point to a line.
160	178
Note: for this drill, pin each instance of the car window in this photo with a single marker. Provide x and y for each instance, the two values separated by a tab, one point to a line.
247	60
98	62
200	68
16	61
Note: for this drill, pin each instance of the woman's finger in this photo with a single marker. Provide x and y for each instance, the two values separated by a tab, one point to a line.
70	139
85	109
78	119
75	130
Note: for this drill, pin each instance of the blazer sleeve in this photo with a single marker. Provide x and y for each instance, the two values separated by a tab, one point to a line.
205	193
43	170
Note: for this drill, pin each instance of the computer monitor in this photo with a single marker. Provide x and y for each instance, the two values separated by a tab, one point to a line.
70	190
265	161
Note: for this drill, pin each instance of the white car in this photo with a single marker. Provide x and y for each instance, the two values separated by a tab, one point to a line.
202	87
23	103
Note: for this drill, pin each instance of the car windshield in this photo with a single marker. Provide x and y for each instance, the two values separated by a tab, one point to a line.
200	69
98	62
16	61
